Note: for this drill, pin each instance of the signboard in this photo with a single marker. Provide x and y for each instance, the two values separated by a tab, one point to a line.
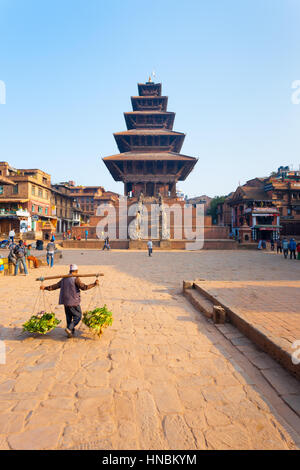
35	218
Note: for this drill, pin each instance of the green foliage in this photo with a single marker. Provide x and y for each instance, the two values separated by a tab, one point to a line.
98	319
213	207
41	323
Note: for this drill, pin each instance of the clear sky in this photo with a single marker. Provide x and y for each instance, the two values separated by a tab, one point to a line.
70	67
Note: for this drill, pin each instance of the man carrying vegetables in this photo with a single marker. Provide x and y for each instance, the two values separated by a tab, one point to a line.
70	288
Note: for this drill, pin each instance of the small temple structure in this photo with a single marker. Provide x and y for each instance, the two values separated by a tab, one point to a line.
149	163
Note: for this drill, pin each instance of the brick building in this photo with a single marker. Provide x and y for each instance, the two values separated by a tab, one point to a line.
24	199
254	215
85	197
29	203
285	189
264	208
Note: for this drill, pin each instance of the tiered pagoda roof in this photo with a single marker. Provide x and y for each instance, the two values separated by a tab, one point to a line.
149	137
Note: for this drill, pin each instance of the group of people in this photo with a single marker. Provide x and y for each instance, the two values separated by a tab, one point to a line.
285	246
20	254
288	247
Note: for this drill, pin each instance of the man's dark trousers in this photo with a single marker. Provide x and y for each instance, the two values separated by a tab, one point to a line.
293	254
73	316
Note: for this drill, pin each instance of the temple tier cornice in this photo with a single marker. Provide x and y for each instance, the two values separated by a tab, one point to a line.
149	103
149	89
149	120
147	140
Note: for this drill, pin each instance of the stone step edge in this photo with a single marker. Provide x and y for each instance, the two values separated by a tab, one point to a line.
257	335
190	293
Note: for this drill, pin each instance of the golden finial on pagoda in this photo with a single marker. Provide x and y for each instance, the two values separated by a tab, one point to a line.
149	79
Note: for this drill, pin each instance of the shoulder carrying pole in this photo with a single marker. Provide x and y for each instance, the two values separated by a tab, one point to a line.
68	275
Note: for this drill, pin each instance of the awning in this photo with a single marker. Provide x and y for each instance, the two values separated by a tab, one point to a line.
267	227
8	216
15	200
46	217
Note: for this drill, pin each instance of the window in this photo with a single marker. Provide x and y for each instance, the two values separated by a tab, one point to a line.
40	192
16	189
46	194
46	210
40	210
33	190
1	189
33	208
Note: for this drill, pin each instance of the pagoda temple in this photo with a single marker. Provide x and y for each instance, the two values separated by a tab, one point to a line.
149	162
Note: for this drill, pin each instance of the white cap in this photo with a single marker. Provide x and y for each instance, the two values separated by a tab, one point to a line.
73	267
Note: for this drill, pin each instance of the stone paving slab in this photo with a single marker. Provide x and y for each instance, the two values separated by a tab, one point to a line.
162	377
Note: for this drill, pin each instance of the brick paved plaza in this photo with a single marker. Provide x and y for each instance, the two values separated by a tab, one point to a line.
162	377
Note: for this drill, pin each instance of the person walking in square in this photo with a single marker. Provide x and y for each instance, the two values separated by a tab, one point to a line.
50	253
298	250
285	247
69	297
106	244
292	248
150	247
12	235
19	252
86	233
278	245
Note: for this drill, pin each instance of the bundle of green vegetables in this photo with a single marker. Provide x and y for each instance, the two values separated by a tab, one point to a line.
41	323
98	319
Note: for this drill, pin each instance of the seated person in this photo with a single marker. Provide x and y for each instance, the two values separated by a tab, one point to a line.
31	258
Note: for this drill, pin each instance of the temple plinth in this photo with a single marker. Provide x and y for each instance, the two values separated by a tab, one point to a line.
149	161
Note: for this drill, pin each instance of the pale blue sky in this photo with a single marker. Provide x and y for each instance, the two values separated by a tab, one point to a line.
70	67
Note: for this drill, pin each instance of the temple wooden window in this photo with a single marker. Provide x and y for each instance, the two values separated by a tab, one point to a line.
170	167
149	166
160	165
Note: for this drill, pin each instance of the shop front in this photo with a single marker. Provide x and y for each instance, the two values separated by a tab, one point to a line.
265	232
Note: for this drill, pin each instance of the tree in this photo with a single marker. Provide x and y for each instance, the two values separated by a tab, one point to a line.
213	208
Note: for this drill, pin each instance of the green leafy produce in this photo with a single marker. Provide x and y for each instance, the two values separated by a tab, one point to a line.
41	323
98	319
